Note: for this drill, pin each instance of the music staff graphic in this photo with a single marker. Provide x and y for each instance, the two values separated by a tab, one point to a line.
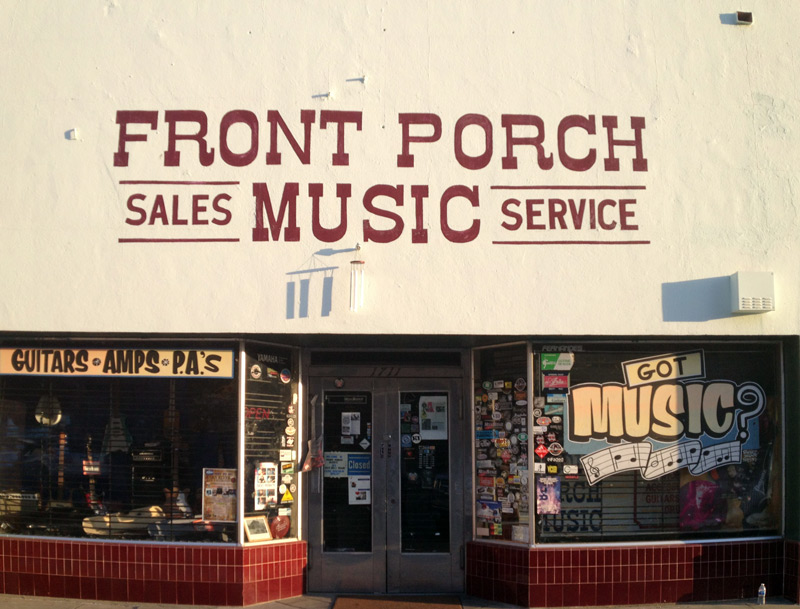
654	464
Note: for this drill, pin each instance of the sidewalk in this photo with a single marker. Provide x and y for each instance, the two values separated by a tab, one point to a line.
323	601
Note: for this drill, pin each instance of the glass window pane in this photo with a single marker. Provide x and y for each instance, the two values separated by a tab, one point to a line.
424	472
501	443
121	455
661	442
347	475
271	416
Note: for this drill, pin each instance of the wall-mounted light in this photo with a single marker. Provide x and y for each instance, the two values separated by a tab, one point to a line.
743	18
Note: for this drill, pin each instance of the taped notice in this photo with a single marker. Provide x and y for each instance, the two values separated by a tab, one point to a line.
359	488
335	465
351	423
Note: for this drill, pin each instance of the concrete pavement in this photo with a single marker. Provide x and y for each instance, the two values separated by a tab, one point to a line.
325	601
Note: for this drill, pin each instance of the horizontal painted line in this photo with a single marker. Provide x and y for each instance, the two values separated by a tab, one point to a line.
573	187
177	183
197	240
570	242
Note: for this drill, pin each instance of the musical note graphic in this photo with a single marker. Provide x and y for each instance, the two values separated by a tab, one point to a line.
672	458
621	458
592	471
630	456
598	465
718	455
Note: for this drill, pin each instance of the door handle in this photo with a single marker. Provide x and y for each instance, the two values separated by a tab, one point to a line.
383	446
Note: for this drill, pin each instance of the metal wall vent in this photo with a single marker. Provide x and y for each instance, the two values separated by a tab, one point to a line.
752	292
756	304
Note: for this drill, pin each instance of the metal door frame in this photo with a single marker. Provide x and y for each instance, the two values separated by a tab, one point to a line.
368	572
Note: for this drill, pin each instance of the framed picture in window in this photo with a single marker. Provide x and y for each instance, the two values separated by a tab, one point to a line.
256	528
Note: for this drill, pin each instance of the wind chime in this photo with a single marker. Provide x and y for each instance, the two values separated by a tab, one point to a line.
357	281
297	305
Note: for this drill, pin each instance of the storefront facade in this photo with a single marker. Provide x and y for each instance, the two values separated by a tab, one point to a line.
425	299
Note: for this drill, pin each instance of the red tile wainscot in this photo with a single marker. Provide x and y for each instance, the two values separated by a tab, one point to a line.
631	575
155	573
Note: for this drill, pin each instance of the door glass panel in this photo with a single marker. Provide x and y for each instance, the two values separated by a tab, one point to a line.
347	474
424	472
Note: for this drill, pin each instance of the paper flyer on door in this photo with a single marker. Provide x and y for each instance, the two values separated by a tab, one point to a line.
433	417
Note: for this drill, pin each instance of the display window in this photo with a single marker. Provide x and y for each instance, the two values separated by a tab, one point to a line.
122	442
502	413
648	441
271	443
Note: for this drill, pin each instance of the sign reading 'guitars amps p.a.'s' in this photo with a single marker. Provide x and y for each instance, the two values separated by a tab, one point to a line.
180	363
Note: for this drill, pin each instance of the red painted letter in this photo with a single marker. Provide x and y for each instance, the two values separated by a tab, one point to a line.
232	158
391	234
124	118
263	203
276	120
482	160
508	122
459	236
406	159
328	235
172	158
588	125
637	124
340	118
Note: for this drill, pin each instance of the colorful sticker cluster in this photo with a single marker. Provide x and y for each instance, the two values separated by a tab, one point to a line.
501	444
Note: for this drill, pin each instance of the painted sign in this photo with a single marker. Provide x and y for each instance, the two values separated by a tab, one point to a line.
179	363
663	419
182	139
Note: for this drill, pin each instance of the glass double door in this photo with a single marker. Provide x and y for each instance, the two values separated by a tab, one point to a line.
386	510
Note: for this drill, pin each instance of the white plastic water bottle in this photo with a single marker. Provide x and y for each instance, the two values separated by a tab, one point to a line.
762	595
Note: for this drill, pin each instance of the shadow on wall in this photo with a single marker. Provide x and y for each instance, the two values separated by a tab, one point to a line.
697	300
312	285
733	18
297	305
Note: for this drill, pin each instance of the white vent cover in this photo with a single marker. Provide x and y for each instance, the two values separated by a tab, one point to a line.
752	292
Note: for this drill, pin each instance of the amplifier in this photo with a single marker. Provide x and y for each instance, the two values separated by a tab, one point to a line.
147	455
15	503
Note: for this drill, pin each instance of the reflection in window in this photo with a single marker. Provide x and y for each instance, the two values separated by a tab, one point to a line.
661	442
119	458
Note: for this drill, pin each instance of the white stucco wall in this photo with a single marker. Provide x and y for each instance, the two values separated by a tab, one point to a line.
719	101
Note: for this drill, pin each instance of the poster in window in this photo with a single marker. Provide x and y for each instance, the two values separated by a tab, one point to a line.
351	423
266	485
219	495
548	495
433	417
